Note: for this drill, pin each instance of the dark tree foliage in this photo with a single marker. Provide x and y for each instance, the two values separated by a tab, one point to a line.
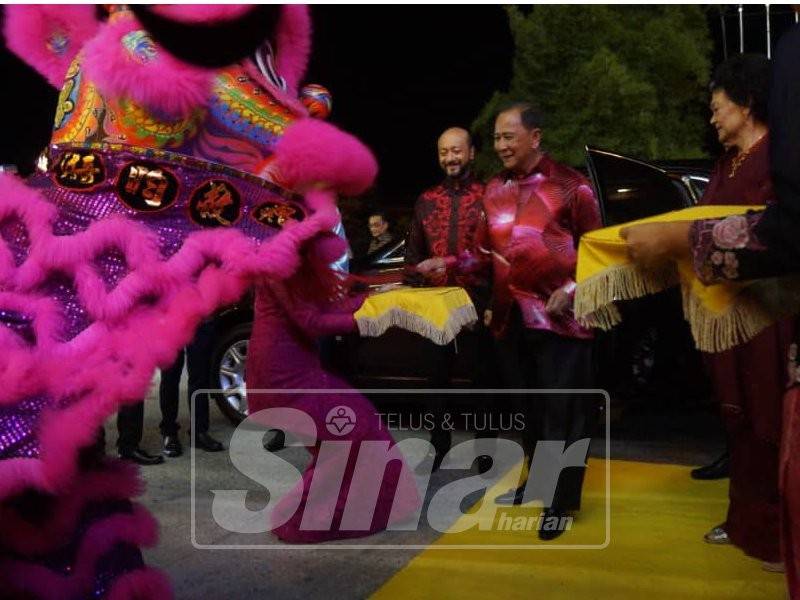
628	78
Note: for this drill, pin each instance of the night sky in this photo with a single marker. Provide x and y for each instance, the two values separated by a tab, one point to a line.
399	75
402	74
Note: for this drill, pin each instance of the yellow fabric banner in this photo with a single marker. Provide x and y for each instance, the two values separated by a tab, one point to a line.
721	316
437	313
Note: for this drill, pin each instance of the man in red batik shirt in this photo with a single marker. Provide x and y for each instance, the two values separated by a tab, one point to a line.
446	218
441	251
536	210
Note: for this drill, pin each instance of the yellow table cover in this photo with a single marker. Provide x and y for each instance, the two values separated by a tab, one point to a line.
721	316
437	313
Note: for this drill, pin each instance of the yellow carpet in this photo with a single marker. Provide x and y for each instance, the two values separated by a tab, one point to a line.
658	518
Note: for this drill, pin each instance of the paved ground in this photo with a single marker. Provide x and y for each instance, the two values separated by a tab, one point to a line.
670	433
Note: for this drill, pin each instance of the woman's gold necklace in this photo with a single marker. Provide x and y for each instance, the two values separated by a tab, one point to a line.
741	157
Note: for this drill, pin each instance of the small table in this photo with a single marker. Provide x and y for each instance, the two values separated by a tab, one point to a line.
436	313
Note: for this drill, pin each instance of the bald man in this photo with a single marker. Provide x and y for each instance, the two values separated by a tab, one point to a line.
441	251
446	218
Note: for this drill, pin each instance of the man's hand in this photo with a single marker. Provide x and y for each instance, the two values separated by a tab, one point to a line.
558	303
651	245
431	267
487	317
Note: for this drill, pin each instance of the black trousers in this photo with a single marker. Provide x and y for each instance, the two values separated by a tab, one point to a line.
198	365
441	364
533	359
130	418
484	377
130	422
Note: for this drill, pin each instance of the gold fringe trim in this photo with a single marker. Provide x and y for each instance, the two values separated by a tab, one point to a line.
595	296
397	317
757	307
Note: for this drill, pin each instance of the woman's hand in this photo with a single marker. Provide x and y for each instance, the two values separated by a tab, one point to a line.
651	245
558	303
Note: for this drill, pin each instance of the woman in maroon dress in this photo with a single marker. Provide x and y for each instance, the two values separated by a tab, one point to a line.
748	380
766	244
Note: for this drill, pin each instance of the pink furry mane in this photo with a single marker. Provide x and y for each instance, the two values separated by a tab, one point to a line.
48	37
293	44
153	77
201	13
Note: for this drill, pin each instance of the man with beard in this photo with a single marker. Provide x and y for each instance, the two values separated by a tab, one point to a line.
445	220
440	252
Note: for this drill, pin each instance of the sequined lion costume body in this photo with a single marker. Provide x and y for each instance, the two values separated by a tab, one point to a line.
167	190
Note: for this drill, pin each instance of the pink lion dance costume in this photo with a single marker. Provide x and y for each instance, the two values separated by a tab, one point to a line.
163	196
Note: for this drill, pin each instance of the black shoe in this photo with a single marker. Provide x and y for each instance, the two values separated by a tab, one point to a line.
484	462
548	516
512	497
207	443
140	457
171	446
277	442
719	469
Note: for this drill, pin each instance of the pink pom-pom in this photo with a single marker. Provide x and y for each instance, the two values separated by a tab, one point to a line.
313	152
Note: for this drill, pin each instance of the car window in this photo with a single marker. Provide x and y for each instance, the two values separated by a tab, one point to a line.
630	190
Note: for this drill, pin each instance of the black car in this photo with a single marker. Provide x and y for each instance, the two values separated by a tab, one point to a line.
650	354
651	345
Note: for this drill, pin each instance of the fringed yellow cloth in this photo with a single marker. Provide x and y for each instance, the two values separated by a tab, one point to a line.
721	316
435	313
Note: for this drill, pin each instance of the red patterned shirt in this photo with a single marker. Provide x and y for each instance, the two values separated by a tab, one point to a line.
446	219
533	226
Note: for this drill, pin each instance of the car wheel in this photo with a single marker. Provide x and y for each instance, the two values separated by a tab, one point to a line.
228	372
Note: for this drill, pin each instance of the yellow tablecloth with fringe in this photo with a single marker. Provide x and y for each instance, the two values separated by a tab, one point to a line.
721	316
437	313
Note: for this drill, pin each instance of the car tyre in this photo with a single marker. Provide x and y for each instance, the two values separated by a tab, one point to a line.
228	363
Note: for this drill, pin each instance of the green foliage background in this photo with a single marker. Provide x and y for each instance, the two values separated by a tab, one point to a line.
626	78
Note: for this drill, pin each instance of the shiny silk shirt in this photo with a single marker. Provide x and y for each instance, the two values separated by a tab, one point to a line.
533	224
